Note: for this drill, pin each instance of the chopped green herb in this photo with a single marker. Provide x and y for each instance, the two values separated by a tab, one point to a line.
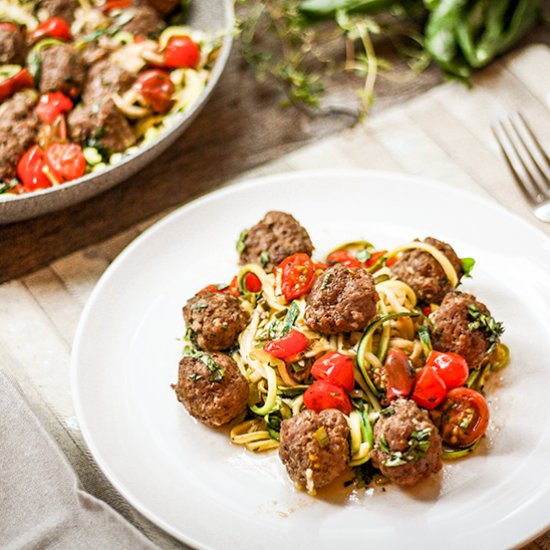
216	372
419	443
240	243
326	279
492	329
425	341
200	305
467	266
363	255
291	316
384	445
194	377
264	258
322	437
388	411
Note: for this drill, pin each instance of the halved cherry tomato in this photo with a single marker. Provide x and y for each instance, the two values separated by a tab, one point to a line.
292	343
209	288
233	287
400	375
66	160
297	274
156	88
181	52
54	27
29	170
22	79
115	5
464	417
335	368
252	282
427	310
343	257
322	395
7	26
51	105
429	389
452	368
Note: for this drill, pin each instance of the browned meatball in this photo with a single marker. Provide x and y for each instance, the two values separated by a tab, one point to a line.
144	20
215	319
18	128
104	79
271	240
315	458
455	329
58	8
407	446
424	274
62	69
101	125
13	49
342	299
212	388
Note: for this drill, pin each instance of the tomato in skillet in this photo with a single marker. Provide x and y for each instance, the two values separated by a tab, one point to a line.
51	105
30	170
156	88
66	160
335	368
181	52
297	274
22	79
322	395
464	417
452	368
54	27
399	372
429	389
291	344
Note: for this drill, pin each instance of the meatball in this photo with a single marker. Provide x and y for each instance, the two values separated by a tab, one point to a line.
215	319
144	20
407	445
18	128
101	125
453	330
271	240
212	388
342	299
104	79
315	459
62	69
424	274
13	49
58	8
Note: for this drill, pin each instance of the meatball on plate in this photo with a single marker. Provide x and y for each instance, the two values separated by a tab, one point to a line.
107	86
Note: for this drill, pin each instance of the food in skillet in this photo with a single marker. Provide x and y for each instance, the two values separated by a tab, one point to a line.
84	83
371	360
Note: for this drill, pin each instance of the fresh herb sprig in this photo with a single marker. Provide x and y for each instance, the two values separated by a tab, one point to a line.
419	443
492	329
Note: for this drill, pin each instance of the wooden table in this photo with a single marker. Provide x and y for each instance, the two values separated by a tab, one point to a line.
51	264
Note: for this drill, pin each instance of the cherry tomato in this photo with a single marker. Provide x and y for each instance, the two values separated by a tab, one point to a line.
427	310
66	160
452	367
322	395
233	287
115	5
7	26
400	375
464	417
181	52
429	389
343	257
29	170
51	105
157	89
252	282
297	274
22	79
292	343
54	27
335	368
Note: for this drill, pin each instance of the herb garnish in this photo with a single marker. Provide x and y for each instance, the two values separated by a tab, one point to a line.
240	243
492	329
326	279
264	258
216	372
419	443
467	266
363	255
322	437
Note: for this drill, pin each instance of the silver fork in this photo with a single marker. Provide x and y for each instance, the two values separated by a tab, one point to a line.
527	161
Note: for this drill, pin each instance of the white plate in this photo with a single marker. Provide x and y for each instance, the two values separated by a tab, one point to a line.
193	483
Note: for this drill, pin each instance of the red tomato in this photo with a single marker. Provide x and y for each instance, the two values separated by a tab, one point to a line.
464	417
29	170
430	389
54	27
343	257
115	5
22	79
157	89
66	160
51	105
297	274
6	26
234	287
322	395
292	343
181	52
252	282
427	310
399	374
208	288
452	368
336	368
